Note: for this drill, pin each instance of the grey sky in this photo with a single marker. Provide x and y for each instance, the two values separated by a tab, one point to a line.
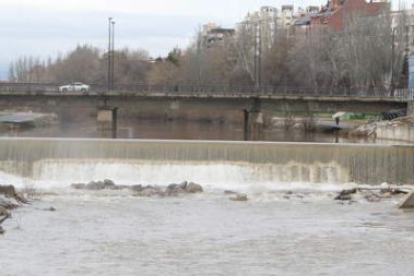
48	27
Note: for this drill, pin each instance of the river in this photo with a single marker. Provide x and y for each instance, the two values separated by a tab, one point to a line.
115	233
288	227
180	130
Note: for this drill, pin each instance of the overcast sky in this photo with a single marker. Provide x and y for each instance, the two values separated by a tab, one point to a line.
48	27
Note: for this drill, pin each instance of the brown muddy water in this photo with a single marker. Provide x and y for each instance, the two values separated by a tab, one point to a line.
101	233
284	228
178	130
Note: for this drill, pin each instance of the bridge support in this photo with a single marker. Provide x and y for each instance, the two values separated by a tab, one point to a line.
107	121
410	108
253	121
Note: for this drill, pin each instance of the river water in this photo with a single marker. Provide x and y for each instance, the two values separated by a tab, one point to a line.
179	130
300	232
293	228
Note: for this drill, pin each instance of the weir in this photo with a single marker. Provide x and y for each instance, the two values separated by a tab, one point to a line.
153	161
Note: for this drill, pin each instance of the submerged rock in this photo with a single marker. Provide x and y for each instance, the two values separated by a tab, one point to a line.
147	191
140	190
373	198
346	195
51	209
96	185
78	186
193	188
239	197
101	185
343	197
183	188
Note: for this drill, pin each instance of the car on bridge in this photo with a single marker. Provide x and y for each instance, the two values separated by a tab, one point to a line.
74	87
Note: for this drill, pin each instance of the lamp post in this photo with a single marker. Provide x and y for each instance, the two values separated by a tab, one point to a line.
392	60
109	52
113	55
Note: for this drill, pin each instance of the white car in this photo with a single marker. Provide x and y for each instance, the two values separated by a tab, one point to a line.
74	87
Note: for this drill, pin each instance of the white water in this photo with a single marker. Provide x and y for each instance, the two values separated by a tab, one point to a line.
221	176
300	232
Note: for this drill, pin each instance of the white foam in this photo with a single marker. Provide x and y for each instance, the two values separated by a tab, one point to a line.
221	176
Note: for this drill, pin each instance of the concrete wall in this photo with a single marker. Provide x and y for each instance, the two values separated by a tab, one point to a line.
402	133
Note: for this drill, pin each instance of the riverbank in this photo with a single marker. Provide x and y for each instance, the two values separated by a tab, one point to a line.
398	130
9	200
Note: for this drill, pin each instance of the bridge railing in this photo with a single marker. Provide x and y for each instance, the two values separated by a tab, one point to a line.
236	91
28	87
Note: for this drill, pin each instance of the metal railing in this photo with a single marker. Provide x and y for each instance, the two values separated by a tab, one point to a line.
224	91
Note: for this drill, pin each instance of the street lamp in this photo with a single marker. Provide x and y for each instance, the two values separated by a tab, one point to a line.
109	52
392	60
113	54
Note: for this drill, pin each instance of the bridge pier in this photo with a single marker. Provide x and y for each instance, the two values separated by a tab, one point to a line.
253	121
107	121
410	108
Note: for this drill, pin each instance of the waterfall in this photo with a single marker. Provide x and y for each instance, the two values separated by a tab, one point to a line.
211	162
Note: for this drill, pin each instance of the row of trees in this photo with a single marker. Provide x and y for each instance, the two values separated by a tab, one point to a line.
84	64
368	53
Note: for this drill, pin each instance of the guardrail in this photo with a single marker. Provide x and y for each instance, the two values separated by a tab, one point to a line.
171	90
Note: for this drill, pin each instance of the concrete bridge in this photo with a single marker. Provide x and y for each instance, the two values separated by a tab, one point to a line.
213	103
281	99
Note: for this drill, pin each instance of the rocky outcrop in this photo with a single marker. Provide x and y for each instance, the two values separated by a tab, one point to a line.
96	185
400	129
147	191
4	214
368	130
141	190
369	194
183	188
9	199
